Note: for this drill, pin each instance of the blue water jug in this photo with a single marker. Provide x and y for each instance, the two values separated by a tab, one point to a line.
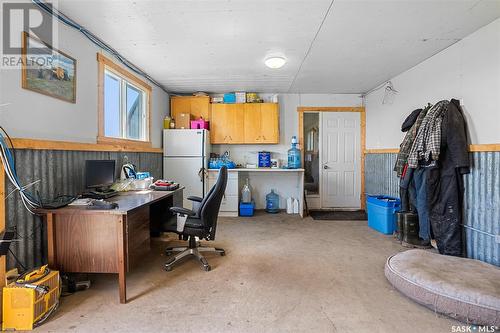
294	160
272	202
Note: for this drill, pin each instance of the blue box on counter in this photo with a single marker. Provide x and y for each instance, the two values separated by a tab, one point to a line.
247	208
264	159
381	211
142	175
230	98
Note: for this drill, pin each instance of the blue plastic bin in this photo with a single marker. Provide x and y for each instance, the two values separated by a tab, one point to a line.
381	211
247	208
230	98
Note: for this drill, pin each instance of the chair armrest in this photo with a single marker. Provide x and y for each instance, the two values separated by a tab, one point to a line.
182	211
195	198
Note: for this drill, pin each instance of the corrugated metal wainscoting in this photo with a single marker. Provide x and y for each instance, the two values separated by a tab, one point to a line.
59	172
482	199
379	177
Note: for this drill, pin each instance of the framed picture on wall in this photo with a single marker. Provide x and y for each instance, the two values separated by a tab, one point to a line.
47	70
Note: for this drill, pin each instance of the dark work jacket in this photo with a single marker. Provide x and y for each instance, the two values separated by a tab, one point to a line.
454	140
445	186
410	120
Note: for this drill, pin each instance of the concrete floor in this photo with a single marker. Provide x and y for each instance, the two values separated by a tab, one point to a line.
280	274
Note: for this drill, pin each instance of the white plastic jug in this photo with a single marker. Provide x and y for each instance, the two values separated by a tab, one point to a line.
289	205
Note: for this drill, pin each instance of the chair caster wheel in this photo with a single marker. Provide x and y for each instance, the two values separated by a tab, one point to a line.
168	268
168	253
207	268
223	253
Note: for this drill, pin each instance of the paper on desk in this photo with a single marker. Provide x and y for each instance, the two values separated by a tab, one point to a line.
81	202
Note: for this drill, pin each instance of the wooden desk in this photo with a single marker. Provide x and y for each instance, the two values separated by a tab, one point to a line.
82	240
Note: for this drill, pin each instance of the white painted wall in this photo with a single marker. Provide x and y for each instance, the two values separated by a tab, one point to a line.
284	184
469	70
289	124
36	116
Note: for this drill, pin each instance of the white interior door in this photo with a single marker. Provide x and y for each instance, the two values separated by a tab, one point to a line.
340	160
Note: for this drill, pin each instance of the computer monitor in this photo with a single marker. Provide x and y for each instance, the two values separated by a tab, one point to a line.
99	174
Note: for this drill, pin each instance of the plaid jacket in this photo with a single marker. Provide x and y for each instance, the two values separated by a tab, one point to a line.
405	147
427	144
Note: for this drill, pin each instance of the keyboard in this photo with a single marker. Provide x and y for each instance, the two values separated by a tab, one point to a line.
58	202
100	195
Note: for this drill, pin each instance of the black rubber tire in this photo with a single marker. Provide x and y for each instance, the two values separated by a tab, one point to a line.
207	268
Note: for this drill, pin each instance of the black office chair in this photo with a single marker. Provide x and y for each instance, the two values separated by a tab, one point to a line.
201	222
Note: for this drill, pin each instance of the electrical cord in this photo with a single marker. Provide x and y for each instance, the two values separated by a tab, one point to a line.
18	261
29	202
9	163
11	144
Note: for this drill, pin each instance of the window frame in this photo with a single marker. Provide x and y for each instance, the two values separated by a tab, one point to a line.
105	64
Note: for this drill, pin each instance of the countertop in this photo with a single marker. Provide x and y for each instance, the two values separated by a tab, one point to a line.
259	170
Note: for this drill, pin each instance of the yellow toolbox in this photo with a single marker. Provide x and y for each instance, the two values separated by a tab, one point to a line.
31	299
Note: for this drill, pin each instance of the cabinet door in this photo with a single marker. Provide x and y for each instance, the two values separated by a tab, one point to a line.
200	107
269	123
219	130
252	121
196	106
179	105
235	116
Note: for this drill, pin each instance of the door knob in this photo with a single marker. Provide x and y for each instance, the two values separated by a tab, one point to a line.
326	167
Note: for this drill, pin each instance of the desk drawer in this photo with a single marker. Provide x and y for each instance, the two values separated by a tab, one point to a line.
138	239
231	187
229	203
215	174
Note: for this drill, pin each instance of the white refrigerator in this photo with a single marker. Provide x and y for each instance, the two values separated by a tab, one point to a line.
185	160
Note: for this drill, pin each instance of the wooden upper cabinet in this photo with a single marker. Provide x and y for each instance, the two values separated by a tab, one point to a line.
226	124
197	106
261	123
252	121
269	123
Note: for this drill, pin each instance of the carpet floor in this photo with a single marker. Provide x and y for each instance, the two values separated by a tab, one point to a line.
280	274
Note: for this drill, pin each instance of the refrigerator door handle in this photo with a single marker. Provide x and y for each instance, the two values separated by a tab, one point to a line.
202	173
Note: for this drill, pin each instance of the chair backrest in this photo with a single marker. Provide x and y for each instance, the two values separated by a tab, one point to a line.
210	205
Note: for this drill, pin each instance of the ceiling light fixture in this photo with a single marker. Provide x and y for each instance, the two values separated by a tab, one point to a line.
275	62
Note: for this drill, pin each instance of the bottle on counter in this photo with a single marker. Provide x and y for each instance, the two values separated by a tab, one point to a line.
246	194
166	122
294	160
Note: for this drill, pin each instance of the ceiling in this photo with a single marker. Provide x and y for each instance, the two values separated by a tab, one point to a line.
342	46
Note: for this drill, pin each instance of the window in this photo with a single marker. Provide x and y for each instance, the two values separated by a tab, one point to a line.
123	105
